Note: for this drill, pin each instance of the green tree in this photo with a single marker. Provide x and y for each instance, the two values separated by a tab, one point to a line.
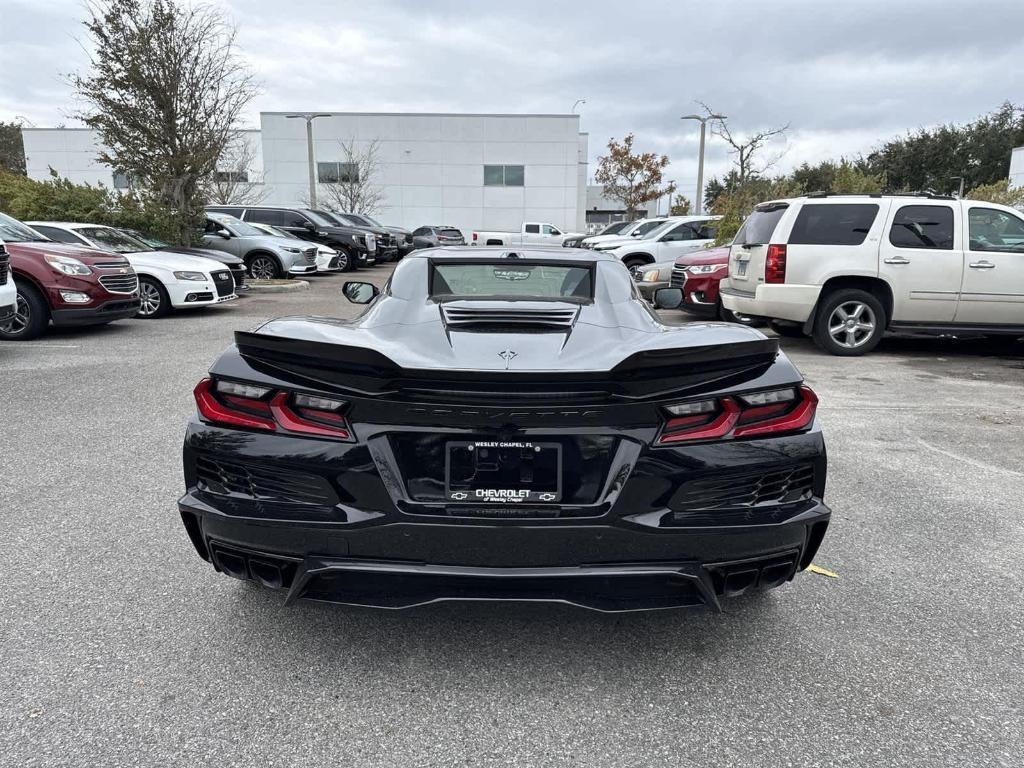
12	148
851	180
734	205
165	93
998	192
681	206
632	178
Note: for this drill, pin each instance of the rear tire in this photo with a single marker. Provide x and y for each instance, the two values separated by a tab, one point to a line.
31	315
347	260
153	298
787	330
850	322
263	266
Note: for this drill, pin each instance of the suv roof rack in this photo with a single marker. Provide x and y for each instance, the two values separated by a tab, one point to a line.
921	193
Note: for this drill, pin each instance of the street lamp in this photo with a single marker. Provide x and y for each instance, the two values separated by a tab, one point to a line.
577	103
309	117
671	183
702	119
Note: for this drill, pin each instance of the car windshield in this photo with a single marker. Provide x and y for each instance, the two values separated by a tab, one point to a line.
369	220
113	240
504	278
276	232
616	228
318	219
13	231
237	227
645	227
152	242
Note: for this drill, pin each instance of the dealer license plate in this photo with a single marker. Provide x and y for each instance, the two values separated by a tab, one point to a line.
503	472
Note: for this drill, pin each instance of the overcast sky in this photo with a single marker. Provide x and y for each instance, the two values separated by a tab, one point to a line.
845	75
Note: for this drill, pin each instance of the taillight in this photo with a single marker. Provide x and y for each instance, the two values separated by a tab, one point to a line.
474	237
775	264
755	414
253	407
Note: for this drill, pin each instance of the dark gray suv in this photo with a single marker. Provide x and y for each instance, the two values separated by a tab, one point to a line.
436	236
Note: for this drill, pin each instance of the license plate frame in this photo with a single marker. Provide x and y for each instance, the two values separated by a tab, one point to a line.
485	472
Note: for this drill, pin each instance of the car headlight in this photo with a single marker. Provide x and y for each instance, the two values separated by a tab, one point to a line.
190	276
289	249
651	276
704	269
67	265
602	247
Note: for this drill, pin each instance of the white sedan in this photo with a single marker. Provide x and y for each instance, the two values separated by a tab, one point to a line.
166	280
326	257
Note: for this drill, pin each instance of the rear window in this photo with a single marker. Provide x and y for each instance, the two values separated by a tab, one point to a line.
759	226
509	278
449	233
841	224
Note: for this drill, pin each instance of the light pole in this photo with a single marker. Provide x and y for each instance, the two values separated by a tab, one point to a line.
577	103
703	120
309	117
671	183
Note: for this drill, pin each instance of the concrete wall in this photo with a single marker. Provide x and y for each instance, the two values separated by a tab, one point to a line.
432	165
1017	167
71	152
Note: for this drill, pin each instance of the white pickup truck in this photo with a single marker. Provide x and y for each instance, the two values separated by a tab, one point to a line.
532	233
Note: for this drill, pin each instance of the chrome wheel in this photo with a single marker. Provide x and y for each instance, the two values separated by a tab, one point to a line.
262	268
852	324
22	317
149	299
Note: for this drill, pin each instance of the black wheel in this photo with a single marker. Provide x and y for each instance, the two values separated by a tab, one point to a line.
346	260
263	266
153	299
635	265
850	322
787	330
31	316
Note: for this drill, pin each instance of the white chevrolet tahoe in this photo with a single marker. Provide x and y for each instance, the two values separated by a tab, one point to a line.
846	268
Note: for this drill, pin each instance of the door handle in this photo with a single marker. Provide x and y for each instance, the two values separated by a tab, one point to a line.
897	260
982	265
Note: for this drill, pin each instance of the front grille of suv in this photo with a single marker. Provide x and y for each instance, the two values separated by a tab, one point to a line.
678	277
120	283
310	255
224	282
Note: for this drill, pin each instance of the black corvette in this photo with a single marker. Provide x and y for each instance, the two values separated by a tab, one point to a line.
505	426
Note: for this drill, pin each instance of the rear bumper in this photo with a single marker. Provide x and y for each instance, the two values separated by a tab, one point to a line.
335	523
781	302
104	313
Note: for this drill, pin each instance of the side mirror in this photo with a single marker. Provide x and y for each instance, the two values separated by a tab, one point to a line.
308	225
224	233
668	298
360	293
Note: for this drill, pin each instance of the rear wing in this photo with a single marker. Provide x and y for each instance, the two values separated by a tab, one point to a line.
642	375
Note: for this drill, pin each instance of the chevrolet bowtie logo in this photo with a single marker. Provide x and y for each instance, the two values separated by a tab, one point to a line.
507	355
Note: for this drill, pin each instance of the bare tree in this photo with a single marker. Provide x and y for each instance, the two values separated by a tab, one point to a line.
631	178
165	93
234	183
745	147
353	188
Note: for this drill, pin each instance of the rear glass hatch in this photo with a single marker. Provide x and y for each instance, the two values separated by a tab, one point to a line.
748	250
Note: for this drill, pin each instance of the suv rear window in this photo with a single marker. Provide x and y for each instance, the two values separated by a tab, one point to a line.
759	226
840	224
449	233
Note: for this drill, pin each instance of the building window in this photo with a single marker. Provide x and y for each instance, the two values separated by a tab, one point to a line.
337	173
232	177
504	175
121	180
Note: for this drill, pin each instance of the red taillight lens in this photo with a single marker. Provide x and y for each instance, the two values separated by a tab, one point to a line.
772	412
775	264
308	421
229	411
252	407
474	237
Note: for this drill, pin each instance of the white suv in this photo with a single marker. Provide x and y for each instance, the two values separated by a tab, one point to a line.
846	268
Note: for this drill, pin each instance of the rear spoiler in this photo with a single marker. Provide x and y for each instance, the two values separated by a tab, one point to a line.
642	375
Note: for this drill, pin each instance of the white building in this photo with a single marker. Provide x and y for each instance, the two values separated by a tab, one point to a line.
1017	167
470	171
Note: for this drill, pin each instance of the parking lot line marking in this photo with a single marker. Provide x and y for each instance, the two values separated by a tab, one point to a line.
972	462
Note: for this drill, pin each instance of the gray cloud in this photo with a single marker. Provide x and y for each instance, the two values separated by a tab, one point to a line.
844	75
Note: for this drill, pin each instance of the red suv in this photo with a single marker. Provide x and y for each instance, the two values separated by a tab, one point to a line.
65	284
698	274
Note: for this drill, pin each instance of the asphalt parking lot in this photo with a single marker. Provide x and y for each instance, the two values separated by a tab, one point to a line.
121	647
